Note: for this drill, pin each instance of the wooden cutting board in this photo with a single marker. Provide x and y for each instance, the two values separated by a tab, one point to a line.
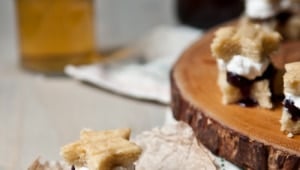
248	137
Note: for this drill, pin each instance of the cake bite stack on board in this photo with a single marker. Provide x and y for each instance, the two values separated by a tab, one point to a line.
245	70
290	119
280	15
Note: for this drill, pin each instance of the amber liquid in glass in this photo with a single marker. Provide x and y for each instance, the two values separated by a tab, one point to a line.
54	33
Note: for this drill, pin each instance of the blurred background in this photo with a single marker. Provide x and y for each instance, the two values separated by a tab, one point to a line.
117	23
40	113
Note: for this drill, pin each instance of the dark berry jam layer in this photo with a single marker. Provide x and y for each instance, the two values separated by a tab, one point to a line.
292	109
283	17
245	85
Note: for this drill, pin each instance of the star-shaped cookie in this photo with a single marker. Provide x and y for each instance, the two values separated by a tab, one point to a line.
101	150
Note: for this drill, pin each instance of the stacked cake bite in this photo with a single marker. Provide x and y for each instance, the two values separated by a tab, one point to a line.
268	9
279	15
290	119
245	70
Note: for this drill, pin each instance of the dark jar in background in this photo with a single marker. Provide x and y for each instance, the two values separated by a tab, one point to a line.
207	13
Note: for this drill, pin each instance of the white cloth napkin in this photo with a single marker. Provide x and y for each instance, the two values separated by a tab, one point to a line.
145	74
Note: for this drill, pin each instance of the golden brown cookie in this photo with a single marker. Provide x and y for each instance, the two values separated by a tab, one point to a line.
291	78
102	150
247	39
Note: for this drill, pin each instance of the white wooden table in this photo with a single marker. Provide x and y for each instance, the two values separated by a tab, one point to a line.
40	114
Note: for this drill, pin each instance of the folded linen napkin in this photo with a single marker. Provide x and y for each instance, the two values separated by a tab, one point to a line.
144	72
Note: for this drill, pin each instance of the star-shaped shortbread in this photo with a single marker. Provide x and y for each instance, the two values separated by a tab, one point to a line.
102	150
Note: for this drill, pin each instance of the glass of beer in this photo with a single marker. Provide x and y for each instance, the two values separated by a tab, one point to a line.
54	33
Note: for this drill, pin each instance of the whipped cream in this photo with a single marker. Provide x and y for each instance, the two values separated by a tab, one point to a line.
244	66
260	9
294	98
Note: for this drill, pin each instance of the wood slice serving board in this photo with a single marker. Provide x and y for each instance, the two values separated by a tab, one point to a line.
248	137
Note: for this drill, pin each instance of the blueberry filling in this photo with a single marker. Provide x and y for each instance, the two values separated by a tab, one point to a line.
237	80
73	167
292	109
245	85
283	17
245	88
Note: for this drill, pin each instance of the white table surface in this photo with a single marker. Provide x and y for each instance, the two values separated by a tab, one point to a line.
39	114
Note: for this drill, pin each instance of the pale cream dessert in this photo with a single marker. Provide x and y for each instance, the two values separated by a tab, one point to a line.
280	15
245	70
266	9
290	119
